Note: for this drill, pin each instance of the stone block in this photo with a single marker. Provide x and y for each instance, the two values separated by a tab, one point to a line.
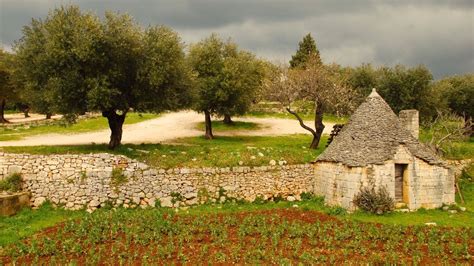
14	169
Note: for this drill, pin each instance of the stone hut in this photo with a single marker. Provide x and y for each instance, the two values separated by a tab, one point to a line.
377	148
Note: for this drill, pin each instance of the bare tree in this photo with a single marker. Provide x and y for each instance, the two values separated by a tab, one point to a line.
322	85
446	129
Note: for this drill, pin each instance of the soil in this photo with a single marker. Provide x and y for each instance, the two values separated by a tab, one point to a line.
165	128
193	250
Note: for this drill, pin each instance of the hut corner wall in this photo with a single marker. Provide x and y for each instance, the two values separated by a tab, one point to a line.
425	186
338	183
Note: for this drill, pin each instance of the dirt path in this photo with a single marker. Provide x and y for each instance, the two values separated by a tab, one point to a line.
19	118
167	127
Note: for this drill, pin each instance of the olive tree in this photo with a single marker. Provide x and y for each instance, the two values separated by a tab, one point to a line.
319	84
242	78
226	79
7	89
77	62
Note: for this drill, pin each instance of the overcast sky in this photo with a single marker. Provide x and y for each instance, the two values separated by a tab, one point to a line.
438	34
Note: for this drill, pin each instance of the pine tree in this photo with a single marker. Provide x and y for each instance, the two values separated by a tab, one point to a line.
307	47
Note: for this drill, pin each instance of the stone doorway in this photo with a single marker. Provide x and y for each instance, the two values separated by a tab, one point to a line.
400	181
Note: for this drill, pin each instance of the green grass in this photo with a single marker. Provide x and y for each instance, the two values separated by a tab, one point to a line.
7	112
279	237
456	148
460	150
83	125
219	126
466	182
27	222
329	118
199	152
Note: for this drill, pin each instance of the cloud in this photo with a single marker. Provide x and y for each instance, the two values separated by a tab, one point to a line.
438	34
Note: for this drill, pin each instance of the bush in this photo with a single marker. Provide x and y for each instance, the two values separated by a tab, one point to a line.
11	183
337	210
370	200
117	177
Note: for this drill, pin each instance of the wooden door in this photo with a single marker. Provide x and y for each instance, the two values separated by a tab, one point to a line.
399	171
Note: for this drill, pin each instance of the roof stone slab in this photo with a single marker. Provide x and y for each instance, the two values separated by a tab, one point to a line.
372	136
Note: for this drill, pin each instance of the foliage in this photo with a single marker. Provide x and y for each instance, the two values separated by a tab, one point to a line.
374	201
11	183
117	178
406	88
8	91
163	74
321	85
176	197
402	87
362	78
74	62
156	236
445	132
227	78
27	222
306	49
457	92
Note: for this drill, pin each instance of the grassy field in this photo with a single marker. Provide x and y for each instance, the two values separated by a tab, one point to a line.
83	125
199	152
219	126
221	233
249	233
305	116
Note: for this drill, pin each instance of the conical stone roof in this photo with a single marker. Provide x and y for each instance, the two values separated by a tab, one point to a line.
372	136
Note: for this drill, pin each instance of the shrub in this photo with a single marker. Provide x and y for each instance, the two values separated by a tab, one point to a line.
370	200
117	177
337	210
11	183
176	197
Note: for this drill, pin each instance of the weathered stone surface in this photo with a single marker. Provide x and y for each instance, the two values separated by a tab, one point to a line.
12	203
166	202
372	136
85	181
12	169
38	201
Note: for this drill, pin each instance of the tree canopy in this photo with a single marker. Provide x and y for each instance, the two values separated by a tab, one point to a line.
306	49
75	62
7	88
227	78
324	86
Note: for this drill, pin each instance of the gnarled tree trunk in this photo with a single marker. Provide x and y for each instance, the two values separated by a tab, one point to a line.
318	124
115	124
2	111
26	112
208	123
228	120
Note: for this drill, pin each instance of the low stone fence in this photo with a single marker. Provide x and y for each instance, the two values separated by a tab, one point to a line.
92	180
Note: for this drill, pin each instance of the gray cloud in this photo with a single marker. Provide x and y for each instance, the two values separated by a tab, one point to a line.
438	34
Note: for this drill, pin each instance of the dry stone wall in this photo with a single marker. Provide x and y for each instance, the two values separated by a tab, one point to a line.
78	181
